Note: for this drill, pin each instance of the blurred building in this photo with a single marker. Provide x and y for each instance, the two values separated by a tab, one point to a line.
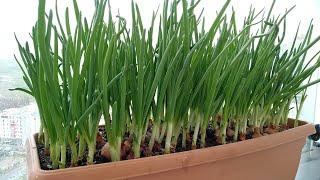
19	123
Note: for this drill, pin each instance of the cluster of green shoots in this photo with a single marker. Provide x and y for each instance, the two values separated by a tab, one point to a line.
175	75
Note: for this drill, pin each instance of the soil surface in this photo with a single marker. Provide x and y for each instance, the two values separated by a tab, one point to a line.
211	140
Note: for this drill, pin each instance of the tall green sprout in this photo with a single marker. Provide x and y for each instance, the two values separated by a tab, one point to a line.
179	80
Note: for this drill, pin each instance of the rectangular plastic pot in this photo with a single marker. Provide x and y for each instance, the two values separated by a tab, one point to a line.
273	157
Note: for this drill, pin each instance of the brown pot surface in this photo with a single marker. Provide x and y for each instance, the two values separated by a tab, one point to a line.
275	156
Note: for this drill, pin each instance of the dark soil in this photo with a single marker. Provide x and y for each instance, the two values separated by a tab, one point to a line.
158	149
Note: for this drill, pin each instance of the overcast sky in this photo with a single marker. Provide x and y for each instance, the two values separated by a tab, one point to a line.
20	15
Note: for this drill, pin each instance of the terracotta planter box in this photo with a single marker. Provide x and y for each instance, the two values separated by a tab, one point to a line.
273	157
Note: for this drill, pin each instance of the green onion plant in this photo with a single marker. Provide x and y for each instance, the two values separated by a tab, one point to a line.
165	84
